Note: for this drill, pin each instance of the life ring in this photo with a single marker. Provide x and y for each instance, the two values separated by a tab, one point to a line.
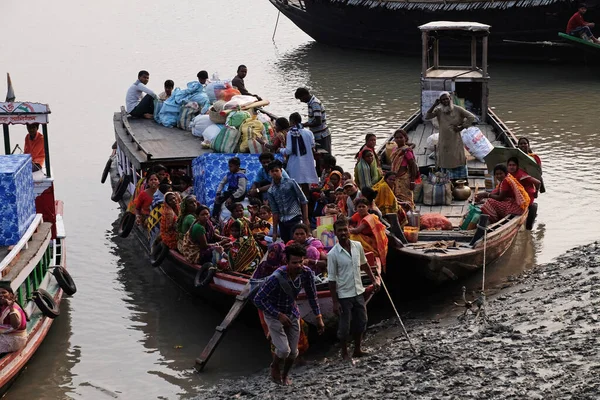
158	253
65	281
205	275
106	170
46	303
120	188
531	216
126	224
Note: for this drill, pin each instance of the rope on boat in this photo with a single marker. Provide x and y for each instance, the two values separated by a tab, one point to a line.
412	346
276	23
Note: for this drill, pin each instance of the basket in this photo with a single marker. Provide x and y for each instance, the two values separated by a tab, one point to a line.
214	112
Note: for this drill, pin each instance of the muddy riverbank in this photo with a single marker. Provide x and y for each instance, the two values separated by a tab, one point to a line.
541	340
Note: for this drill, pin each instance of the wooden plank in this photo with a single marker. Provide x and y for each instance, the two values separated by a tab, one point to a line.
417	138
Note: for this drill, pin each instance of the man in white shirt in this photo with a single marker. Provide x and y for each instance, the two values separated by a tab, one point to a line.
135	104
344	262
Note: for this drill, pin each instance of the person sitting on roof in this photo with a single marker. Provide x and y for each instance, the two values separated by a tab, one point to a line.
34	145
136	105
169	86
238	82
578	27
203	78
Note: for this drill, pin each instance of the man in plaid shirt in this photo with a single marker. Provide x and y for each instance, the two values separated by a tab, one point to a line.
277	299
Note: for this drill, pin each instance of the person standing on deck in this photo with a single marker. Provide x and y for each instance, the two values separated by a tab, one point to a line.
579	28
34	145
287	201
238	82
452	119
277	299
344	262
317	118
136	105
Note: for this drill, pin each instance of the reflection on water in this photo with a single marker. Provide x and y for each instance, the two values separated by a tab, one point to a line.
119	335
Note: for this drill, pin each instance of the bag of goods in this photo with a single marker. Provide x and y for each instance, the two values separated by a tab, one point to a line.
227	141
476	142
237	118
435	222
213	90
389	149
239	101
185	117
250	130
199	124
212	131
214	113
228	93
169	114
437	190
471	219
432	140
157	106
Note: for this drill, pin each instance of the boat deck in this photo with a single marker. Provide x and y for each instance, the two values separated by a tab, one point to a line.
146	141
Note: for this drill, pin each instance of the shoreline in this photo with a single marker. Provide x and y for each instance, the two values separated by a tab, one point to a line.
542	340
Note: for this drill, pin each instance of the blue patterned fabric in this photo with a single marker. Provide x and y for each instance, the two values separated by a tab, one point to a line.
210	168
17	200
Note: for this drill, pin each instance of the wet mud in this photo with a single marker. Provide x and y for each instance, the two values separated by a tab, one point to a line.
540	338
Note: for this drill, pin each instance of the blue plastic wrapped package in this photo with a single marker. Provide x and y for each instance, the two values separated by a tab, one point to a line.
17	199
157	106
169	112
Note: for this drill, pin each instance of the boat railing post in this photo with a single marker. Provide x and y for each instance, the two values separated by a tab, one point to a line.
424	55
484	55
436	53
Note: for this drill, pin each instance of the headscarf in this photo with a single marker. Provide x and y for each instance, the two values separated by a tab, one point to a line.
275	258
183	212
326	183
297	141
177	201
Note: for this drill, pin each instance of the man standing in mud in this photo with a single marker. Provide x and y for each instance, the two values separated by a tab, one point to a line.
277	299
344	262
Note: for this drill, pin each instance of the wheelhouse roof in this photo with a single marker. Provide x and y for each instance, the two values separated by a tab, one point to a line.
455	26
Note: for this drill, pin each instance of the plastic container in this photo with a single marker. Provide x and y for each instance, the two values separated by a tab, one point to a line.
411	233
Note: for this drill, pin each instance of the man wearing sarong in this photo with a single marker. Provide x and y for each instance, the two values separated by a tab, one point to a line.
452	119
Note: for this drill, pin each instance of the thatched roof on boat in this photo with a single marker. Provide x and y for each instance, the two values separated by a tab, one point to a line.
455	26
448	5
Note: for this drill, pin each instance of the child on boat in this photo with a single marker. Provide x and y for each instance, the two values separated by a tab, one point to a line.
234	183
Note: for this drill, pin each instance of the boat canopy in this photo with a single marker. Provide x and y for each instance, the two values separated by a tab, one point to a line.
454	26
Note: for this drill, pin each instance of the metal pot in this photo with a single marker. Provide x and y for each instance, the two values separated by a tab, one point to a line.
460	191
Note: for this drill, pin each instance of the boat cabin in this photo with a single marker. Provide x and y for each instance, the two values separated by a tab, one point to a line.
467	81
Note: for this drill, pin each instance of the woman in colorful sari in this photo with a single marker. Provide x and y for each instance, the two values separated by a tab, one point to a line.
333	181
386	199
168	219
187	216
508	198
530	184
13	322
316	255
370	144
201	239
366	171
368	230
237	212
406	169
244	253
144	199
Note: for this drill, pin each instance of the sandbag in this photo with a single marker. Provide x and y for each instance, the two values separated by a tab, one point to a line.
185	118
237	118
435	222
199	124
250	130
212	131
254	146
471	219
476	142
227	141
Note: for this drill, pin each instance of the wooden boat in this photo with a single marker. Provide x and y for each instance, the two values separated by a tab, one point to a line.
33	266
390	25
141	144
441	256
590	50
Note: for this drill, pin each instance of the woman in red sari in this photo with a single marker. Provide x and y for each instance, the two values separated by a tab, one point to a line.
406	169
526	148
508	198
368	230
144	199
530	184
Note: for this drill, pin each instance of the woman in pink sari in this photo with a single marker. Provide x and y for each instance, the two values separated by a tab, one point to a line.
13	323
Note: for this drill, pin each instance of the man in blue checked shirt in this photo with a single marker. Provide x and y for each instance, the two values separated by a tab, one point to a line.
277	299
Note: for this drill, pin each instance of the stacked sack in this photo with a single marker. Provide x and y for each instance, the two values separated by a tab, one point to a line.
183	105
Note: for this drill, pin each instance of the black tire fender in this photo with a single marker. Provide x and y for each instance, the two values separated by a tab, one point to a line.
46	303
205	275
65	281
158	253
106	170
126	224
120	188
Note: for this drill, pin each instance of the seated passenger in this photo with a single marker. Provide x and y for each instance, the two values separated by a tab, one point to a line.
530	184
275	258
371	195
187	216
263	179
578	27
508	198
13	322
235	184
169	86
316	255
370	144
203	78
386	200
244	253
168	219
366	171
34	145
144	199
238	82
136	105
201	239
257	225
526	148
352	194
369	231
237	212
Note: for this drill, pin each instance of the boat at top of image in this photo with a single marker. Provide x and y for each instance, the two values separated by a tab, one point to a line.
32	238
523	30
440	256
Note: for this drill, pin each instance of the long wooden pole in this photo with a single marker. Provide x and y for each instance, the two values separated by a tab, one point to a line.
6	139
46	149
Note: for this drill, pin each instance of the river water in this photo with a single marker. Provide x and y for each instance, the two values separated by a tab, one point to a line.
130	332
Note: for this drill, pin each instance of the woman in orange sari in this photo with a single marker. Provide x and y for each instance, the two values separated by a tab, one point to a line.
406	169
168	219
368	230
509	198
